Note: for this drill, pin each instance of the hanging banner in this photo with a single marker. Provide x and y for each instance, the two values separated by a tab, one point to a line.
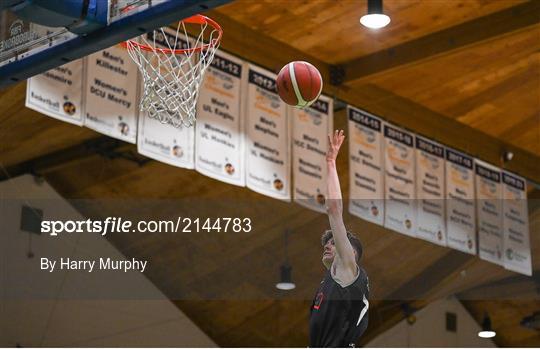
267	137
460	209
111	94
58	92
431	225
365	166
162	141
219	127
399	189
517	249
166	143
311	127
489	212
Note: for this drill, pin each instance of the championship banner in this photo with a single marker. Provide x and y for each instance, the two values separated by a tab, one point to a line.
399	190
58	92
365	166
460	210
219	128
111	94
311	127
267	137
162	141
166	143
517	249
489	212
430	164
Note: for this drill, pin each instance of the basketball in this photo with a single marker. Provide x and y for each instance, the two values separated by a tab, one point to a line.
299	84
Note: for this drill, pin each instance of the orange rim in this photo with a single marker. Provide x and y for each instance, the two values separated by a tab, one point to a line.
196	19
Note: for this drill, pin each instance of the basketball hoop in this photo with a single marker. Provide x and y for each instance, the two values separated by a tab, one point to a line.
172	65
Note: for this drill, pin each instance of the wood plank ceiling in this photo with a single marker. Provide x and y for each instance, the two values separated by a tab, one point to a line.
481	96
494	95
329	29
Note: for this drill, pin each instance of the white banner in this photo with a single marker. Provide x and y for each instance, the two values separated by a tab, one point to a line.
111	94
399	188
58	92
517	249
431	225
365	166
164	142
311	127
219	128
267	137
489	211
460	209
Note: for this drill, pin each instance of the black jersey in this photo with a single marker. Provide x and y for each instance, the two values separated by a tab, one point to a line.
339	315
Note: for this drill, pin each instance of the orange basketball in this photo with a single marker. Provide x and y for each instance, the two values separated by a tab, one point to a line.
299	84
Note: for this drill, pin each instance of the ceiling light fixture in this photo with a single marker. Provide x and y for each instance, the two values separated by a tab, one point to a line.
487	331
375	17
285	271
285	282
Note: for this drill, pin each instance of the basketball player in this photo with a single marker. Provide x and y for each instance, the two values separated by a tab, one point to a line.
339	311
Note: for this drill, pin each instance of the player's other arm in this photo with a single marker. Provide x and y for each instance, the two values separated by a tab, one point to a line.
344	251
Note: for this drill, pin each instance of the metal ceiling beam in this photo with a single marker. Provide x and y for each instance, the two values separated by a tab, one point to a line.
100	146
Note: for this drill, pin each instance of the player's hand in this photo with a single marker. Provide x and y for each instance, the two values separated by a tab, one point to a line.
334	143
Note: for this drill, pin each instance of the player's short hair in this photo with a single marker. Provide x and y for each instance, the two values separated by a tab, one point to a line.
355	242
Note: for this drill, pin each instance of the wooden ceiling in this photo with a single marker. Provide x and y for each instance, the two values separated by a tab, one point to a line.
479	93
502	314
329	30
497	96
474	62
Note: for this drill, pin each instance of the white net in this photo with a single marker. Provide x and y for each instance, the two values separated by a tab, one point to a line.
172	65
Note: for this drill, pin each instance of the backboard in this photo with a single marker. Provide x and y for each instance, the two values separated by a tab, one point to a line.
28	48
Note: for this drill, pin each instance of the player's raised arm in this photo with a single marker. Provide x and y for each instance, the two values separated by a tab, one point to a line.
345	253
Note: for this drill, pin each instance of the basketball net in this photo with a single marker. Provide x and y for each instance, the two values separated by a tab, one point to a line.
172	65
